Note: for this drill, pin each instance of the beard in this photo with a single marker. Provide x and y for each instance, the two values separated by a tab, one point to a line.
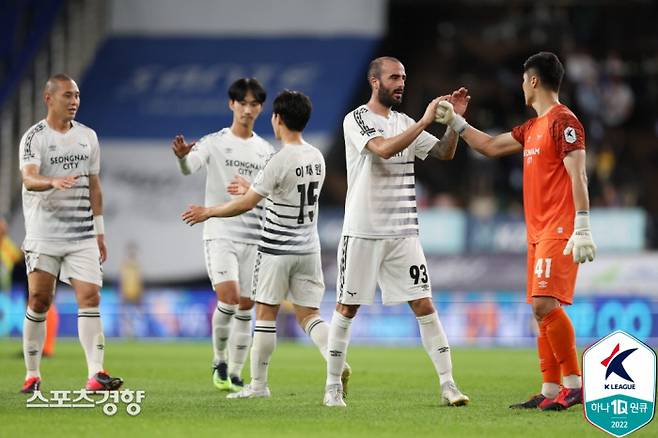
386	97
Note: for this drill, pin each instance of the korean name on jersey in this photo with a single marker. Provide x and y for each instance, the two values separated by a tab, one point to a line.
291	182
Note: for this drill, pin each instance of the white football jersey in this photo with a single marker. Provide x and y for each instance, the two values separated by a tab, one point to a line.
225	155
381	194
60	215
291	183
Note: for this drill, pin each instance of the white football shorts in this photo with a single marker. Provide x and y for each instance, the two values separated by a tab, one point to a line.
397	265
230	261
297	278
79	260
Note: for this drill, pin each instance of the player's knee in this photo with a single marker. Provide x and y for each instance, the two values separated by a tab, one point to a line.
228	293
303	318
39	303
347	311
89	299
542	308
245	304
422	307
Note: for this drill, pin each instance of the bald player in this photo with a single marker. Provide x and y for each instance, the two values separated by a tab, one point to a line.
64	231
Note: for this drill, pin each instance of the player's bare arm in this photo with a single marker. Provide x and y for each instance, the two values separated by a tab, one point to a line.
487	145
238	185
445	148
580	244
197	213
35	182
387	147
96	200
574	162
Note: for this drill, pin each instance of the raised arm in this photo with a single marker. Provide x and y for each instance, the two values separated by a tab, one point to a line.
196	213
491	146
445	148
188	163
487	145
387	147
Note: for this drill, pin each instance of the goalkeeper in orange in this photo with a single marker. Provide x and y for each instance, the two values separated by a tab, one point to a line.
556	205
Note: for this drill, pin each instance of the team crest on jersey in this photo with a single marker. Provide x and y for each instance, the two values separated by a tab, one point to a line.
570	135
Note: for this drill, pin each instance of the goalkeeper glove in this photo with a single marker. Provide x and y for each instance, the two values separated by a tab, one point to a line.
580	243
446	115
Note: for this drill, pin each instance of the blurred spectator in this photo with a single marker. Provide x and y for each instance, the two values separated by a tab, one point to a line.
10	255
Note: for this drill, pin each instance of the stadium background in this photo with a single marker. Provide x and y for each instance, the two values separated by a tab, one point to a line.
151	69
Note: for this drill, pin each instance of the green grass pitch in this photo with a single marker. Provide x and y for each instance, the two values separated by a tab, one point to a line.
393	393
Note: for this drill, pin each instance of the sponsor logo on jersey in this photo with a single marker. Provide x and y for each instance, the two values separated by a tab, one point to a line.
70	161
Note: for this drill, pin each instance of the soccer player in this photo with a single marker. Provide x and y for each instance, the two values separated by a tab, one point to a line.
64	231
230	244
557	218
288	264
379	243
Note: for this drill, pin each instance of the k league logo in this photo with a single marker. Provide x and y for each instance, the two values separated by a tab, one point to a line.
619	384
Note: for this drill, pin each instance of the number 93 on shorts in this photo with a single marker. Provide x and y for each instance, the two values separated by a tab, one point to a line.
397	265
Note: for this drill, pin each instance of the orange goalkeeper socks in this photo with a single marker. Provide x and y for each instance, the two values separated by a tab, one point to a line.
562	340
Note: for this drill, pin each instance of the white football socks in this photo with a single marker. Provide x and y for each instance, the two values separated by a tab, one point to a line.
221	325
34	334
261	352
90	332
239	342
318	331
435	342
339	339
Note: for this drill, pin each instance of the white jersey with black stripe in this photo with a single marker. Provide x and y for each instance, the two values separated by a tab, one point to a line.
291	183
381	194
60	215
224	155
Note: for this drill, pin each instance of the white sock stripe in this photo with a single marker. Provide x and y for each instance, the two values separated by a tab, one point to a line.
226	309
242	317
35	315
312	324
33	319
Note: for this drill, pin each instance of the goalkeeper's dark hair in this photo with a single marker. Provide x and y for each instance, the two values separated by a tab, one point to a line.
375	67
548	67
239	89
294	108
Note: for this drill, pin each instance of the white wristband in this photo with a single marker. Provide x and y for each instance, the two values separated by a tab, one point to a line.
458	124
99	225
581	220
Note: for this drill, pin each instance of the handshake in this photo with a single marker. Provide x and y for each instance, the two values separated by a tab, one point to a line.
446	115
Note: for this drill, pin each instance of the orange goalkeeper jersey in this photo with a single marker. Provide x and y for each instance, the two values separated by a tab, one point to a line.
547	195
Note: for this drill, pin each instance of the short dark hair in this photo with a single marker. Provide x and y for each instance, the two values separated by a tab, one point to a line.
548	67
375	67
294	108
239	89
